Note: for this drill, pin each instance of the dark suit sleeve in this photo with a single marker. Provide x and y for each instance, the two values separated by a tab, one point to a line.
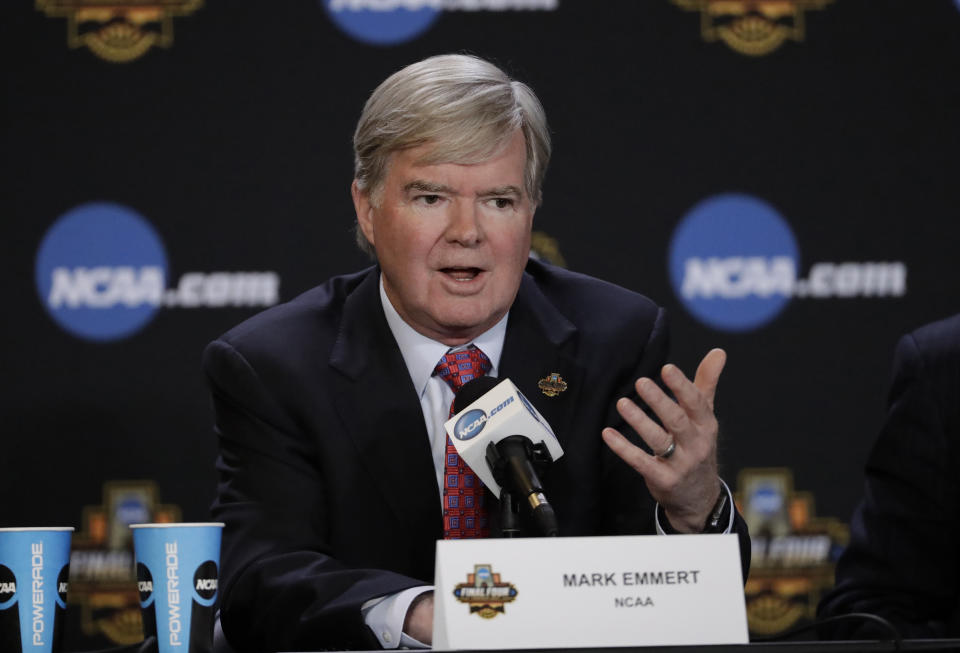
280	589
902	560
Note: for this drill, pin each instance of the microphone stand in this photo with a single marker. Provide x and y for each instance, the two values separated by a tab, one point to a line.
509	514
510	461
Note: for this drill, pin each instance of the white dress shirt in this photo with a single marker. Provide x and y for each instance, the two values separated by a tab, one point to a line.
421	354
385	615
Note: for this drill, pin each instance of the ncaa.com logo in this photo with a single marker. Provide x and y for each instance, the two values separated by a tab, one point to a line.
389	22
734	264
101	273
472	422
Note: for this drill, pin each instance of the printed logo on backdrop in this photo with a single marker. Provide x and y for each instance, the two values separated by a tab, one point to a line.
484	592
102	274
121	30
104	583
734	261
753	28
545	247
390	22
794	551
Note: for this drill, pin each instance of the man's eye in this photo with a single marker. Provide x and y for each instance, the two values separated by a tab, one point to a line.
502	202
429	199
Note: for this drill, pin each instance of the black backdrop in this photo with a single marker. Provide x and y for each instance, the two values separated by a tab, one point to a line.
234	143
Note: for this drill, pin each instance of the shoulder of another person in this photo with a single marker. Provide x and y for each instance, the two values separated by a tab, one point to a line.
940	340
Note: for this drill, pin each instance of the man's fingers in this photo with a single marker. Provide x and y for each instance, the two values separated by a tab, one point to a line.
640	460
688	395
652	433
708	373
674	417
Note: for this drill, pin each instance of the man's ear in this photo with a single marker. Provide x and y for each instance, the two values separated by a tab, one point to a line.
364	209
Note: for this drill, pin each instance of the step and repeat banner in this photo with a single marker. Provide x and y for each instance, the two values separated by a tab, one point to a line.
782	175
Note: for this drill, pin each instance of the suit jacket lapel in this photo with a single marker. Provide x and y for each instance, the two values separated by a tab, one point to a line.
381	411
541	341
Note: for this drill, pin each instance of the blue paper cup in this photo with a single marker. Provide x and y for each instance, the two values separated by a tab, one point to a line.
177	568
34	571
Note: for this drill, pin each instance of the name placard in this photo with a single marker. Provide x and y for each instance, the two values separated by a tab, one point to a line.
643	590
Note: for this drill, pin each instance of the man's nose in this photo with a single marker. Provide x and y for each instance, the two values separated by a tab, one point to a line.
464	223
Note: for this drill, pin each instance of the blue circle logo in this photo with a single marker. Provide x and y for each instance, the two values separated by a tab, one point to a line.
470	424
101	271
733	262
132	510
766	500
383	22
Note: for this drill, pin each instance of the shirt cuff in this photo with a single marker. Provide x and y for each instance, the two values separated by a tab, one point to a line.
657	510
385	615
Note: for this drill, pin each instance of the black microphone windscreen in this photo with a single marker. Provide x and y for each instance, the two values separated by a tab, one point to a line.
473	390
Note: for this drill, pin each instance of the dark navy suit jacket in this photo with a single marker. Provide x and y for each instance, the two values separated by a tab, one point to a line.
327	485
903	562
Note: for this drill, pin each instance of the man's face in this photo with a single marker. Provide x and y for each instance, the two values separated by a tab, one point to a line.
452	239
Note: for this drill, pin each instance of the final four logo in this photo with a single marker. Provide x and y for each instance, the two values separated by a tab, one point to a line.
106	587
794	550
484	592
753	27
121	30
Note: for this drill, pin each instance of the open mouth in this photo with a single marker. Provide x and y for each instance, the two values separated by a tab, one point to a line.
462	274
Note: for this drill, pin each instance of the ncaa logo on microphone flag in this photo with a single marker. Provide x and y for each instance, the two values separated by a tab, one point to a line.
470	424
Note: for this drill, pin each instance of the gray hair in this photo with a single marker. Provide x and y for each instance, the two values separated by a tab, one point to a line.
464	106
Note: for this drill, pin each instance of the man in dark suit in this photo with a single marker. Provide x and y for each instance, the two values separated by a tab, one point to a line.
334	479
903	562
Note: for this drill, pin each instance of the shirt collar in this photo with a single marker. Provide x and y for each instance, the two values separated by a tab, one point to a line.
421	353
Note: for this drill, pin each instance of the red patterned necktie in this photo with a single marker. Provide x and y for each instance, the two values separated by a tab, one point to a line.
464	512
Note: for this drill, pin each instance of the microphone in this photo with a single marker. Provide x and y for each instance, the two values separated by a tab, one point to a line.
500	436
